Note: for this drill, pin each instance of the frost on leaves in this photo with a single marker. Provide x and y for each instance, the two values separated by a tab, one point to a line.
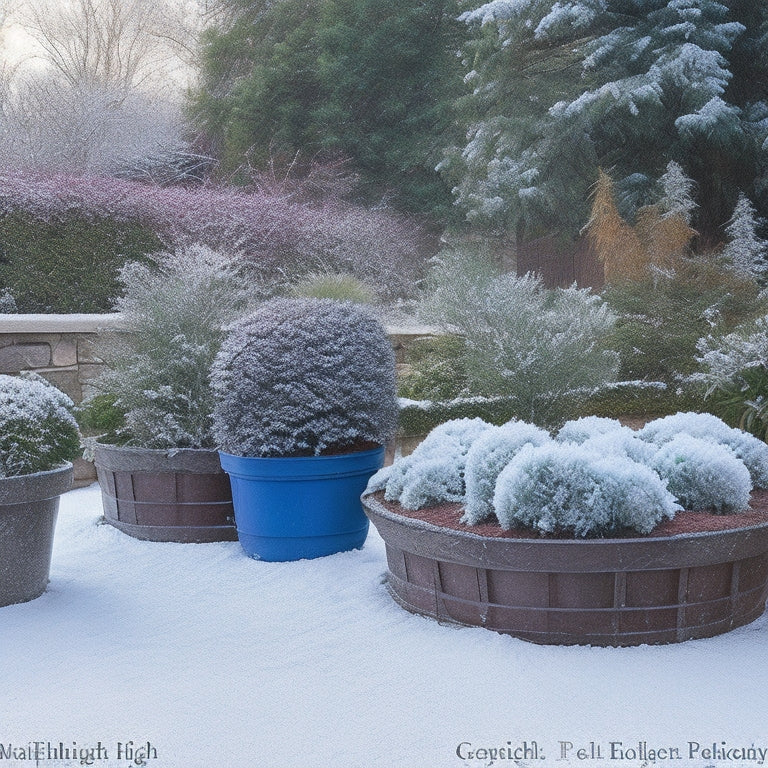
595	478
301	376
37	429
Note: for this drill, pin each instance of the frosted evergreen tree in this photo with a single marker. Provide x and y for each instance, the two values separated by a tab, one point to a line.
745	252
677	199
560	89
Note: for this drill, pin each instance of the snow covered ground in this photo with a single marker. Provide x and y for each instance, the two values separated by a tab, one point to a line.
218	660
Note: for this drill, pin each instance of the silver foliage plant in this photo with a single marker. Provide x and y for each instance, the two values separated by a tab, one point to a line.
594	477
175	312
542	348
302	377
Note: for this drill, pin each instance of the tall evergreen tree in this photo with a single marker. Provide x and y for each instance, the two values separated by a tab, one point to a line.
369	81
562	88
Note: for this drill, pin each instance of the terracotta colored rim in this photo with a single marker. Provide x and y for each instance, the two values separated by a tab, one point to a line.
598	591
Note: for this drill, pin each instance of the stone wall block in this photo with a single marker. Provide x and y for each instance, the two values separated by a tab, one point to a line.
66	380
65	352
87	349
24	357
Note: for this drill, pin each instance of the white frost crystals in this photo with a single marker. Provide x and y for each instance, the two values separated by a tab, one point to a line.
594	478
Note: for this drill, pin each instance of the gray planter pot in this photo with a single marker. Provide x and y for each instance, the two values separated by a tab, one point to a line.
29	506
165	495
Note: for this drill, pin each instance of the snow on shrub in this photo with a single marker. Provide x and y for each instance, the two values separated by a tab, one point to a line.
703	474
434	472
37	429
487	457
300	376
158	371
621	442
705	426
579	430
562	487
275	234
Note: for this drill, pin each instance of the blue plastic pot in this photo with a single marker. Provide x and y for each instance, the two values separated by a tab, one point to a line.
304	507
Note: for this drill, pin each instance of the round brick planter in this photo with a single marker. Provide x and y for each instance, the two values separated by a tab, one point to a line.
29	506
593	591
158	495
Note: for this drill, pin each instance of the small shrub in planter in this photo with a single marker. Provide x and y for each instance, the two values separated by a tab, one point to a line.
601	534
157	370
440	461
157	466
37	429
487	457
38	440
305	389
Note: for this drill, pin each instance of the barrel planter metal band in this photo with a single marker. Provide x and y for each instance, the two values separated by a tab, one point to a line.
593	591
29	506
165	495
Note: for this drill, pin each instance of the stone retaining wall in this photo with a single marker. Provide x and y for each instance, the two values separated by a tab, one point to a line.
59	347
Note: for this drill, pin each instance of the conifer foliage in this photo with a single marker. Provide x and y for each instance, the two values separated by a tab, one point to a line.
560	89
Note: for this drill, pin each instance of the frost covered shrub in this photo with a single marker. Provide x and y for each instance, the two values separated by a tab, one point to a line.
434	472
605	436
734	371
37	429
703	474
561	487
277	235
304	376
662	319
705	426
487	457
621	442
539	347
579	430
157	371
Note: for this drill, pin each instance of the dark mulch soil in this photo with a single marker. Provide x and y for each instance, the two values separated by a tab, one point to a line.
447	516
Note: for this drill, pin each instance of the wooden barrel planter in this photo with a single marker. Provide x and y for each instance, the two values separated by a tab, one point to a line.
29	506
158	495
655	589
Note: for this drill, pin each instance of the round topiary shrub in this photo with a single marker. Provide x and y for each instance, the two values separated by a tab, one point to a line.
303	377
37	429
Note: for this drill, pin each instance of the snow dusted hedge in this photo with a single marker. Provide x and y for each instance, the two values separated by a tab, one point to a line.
37	429
275	233
300	376
594	477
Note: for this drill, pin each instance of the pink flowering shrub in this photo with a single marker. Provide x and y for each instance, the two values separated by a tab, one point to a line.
279	235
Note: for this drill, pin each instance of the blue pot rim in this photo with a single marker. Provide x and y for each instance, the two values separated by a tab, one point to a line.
287	467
